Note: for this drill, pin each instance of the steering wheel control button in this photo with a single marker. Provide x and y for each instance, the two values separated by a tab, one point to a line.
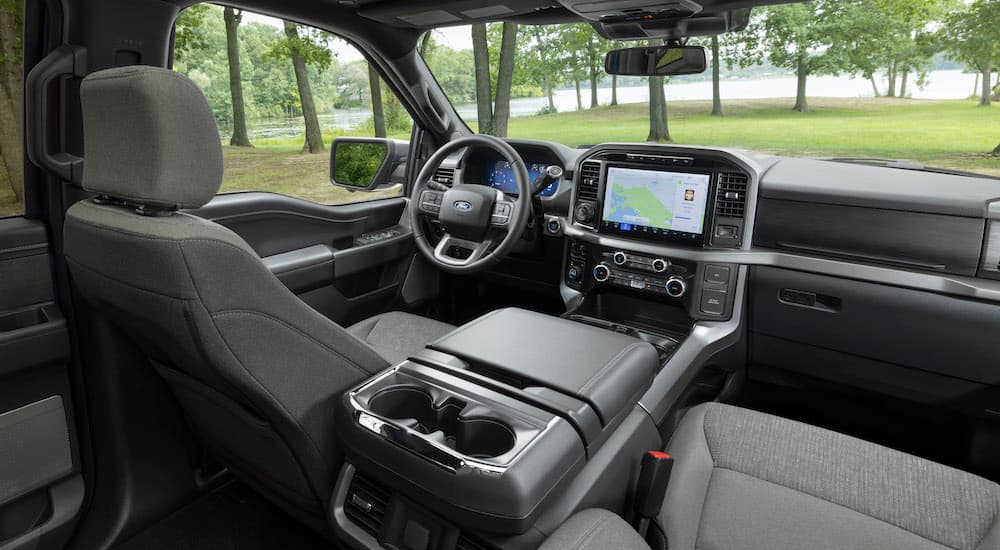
602	273
676	287
660	265
501	213
717	274
713	302
430	201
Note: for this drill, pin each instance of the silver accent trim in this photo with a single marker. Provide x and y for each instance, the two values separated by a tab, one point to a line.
620	258
684	287
661	262
991	252
956	285
478	250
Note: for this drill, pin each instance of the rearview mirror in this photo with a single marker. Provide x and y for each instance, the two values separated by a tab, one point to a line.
656	61
361	164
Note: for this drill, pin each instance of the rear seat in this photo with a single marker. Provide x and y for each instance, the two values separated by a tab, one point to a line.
748	480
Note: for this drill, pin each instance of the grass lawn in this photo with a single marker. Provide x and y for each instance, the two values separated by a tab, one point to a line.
949	134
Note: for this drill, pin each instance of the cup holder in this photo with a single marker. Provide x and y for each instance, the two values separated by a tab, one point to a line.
414	407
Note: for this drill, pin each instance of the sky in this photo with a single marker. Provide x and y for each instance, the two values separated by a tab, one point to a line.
456	38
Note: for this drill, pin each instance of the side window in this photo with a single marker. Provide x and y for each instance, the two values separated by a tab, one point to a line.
11	86
281	93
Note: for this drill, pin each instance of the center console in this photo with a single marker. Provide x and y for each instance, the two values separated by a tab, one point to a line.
489	426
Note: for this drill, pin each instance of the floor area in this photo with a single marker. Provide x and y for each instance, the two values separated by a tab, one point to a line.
232	518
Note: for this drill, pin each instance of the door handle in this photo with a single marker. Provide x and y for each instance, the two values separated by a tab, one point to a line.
41	130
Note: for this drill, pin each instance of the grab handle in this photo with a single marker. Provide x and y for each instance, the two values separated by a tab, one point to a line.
42	130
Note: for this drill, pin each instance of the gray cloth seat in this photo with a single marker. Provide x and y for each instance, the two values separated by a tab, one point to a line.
748	480
257	371
397	335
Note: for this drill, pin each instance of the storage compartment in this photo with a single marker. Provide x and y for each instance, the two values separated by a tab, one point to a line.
22	319
472	454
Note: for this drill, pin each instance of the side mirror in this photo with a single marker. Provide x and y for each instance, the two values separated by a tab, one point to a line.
361	164
656	61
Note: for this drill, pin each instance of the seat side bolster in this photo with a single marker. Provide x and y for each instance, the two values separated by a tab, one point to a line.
595	529
992	539
682	508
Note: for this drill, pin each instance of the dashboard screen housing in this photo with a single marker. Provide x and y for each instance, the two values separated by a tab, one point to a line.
662	205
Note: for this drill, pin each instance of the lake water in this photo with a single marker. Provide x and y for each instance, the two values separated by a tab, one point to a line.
940	85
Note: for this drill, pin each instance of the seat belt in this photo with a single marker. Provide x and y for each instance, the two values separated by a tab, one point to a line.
654	475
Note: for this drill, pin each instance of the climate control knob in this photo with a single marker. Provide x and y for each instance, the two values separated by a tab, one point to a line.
620	258
660	265
585	212
602	273
676	287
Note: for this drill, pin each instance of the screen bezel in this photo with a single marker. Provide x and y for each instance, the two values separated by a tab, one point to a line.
671	236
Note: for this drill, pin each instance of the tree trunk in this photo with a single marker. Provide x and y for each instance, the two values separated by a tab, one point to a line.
11	96
579	97
893	68
614	90
986	98
378	112
874	86
314	137
425	41
902	83
975	87
505	79
240	137
547	82
594	103
659	129
802	72
484	84
716	88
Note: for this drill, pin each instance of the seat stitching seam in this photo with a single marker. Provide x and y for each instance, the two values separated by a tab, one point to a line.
711	475
77	264
264	388
828	501
588	533
250	312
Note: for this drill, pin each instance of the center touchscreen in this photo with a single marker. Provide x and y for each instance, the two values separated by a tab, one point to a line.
652	203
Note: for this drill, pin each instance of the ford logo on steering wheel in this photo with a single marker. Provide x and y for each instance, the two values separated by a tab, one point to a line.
463	205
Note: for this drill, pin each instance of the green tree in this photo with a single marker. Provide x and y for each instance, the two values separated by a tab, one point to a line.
232	18
493	104
188	30
716	85
659	129
972	36
378	113
11	97
306	49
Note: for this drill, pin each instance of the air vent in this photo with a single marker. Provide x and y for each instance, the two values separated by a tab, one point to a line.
366	504
445	176
590	180
731	197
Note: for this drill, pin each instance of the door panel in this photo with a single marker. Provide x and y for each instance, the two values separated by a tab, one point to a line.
41	489
347	261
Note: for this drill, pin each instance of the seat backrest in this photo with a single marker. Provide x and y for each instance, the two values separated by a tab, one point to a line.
257	371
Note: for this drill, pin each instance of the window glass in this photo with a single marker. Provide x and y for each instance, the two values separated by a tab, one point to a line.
281	93
917	81
11	86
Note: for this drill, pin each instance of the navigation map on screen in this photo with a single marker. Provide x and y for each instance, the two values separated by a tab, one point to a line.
645	200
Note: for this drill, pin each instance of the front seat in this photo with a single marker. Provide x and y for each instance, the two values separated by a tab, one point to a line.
257	371
745	480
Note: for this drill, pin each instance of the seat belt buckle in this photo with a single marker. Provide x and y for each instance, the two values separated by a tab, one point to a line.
654	475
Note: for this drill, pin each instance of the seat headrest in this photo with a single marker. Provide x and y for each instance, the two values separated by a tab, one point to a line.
149	138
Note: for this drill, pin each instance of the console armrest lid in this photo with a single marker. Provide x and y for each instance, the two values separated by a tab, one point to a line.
606	369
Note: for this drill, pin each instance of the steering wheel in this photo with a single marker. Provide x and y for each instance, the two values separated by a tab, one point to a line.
481	224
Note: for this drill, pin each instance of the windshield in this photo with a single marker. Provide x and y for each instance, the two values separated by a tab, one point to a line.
867	79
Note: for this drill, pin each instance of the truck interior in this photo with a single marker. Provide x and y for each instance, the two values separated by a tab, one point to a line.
500	355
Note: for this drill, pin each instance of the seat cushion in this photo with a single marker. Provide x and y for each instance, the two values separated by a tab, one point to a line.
397	335
744	479
595	529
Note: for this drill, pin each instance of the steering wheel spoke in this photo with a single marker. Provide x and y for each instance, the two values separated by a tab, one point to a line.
430	202
448	243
